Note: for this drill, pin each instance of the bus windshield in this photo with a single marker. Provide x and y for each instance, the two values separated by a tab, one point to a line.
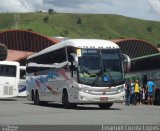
100	67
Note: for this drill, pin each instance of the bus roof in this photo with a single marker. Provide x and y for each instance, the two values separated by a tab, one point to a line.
22	67
9	63
79	43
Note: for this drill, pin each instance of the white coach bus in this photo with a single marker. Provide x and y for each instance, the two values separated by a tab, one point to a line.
77	71
9	79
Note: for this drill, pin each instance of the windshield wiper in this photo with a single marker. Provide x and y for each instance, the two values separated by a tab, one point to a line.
110	77
108	73
102	72
99	74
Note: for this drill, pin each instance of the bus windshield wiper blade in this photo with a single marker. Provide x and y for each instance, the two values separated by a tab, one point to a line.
110	76
98	76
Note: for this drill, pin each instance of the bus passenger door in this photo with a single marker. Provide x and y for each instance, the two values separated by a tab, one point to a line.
73	71
72	82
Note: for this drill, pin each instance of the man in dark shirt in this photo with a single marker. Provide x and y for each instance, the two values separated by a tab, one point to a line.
128	89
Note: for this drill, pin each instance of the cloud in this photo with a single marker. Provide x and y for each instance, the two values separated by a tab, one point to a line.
20	5
144	9
76	6
73	3
9	6
59	5
155	5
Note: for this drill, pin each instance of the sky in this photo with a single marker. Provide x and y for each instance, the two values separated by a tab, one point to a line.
143	9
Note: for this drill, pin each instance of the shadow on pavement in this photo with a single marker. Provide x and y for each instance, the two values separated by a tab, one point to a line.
11	99
79	107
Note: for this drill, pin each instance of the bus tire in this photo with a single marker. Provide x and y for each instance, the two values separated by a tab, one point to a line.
32	95
36	98
105	105
65	101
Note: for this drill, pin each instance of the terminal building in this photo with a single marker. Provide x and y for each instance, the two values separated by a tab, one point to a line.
144	56
17	45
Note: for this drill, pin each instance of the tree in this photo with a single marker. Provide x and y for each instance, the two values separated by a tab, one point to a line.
79	21
51	11
45	19
149	29
158	45
30	29
66	32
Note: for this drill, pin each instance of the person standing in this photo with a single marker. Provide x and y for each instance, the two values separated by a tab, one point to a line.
128	92
140	96
143	93
150	87
136	92
132	92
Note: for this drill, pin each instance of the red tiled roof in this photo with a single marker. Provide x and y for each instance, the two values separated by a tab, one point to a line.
15	55
136	47
26	40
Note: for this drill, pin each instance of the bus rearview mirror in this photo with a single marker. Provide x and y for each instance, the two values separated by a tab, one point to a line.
126	62
75	59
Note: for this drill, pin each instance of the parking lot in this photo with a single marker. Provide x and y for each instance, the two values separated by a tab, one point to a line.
20	111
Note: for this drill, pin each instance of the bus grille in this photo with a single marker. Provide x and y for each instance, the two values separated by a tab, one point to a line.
8	90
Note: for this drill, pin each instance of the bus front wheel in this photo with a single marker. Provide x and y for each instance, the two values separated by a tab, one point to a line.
105	105
65	101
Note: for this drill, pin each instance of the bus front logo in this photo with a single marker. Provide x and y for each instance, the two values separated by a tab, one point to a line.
104	92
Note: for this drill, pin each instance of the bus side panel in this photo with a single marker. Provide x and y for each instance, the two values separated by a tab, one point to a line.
30	85
22	88
49	83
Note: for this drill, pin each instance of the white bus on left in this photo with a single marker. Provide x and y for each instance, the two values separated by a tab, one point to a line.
9	79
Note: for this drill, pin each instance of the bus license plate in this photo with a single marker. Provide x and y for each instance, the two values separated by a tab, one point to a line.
103	99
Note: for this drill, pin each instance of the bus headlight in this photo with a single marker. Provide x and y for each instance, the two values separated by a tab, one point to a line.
84	90
120	89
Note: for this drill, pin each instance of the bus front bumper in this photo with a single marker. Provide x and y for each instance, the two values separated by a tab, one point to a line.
88	98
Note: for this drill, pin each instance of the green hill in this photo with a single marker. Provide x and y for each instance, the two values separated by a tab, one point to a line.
83	25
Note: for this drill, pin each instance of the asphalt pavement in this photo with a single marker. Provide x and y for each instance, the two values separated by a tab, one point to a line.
20	111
